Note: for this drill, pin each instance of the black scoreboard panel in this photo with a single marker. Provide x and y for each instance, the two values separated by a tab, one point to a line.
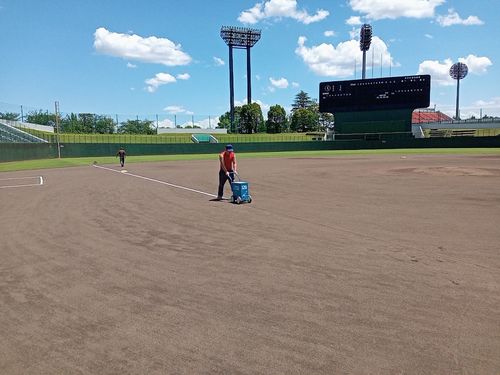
375	94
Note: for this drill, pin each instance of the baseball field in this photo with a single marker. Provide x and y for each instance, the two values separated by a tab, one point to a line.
353	264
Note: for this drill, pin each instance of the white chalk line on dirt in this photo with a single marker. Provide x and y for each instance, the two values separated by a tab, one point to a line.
157	181
40	182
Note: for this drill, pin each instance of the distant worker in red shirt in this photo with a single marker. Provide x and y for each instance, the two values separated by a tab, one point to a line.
227	161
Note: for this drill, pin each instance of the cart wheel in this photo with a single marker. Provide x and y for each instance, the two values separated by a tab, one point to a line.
238	200
231	199
249	200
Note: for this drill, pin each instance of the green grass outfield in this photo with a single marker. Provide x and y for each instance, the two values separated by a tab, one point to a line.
73	162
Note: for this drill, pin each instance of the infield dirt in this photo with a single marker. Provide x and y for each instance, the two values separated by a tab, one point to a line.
340	265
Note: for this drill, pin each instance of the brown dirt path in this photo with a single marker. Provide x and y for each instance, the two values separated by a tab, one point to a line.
342	265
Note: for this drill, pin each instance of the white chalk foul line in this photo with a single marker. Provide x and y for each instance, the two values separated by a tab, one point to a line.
18	178
157	181
40	178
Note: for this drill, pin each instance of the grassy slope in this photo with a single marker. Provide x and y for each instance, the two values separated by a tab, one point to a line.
165	138
71	162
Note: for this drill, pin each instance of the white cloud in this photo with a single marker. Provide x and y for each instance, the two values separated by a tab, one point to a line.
280	83
489	107
257	77
134	47
440	71
167	123
208	123
354	21
131	66
328	60
205	123
218	61
392	9
183	76
476	65
429	36
295	84
329	33
493	102
354	33
264	107
177	109
452	18
158	80
280	9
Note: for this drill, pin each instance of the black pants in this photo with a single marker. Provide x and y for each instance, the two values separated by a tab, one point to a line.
122	161
222	181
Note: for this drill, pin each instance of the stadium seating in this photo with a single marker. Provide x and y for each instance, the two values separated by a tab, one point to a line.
429	116
9	134
463	133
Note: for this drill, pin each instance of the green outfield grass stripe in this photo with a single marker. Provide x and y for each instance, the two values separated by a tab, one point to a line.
74	162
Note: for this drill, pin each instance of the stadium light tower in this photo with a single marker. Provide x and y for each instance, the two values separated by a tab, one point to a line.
458	71
243	38
365	39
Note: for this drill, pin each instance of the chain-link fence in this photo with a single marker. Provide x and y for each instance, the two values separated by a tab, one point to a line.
86	122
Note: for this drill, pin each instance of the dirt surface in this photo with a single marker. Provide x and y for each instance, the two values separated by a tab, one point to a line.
342	265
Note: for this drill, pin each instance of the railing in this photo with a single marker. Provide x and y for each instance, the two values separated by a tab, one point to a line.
444	132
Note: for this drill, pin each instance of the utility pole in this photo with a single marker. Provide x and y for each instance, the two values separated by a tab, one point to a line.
57	130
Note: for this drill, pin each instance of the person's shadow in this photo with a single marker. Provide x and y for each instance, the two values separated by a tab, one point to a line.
218	199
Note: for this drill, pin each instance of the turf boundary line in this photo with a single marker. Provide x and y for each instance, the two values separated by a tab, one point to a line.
157	181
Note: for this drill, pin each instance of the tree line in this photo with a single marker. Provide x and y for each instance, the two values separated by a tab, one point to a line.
305	117
85	123
248	119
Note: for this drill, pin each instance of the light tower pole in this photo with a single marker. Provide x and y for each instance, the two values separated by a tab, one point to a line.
458	71
365	39
243	38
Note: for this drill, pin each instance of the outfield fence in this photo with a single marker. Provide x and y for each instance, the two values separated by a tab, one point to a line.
29	151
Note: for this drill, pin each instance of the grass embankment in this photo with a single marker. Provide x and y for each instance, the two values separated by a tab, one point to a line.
73	162
166	138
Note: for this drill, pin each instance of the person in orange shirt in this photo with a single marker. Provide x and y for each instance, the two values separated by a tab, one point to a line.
227	161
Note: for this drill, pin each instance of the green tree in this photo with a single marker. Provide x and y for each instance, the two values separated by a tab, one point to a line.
70	124
41	118
10	116
87	122
137	127
276	119
105	125
305	120
302	100
251	118
225	119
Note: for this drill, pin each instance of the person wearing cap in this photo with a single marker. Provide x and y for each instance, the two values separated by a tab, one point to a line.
121	153
227	161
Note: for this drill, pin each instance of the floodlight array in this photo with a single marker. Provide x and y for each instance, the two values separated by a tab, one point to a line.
239	36
459	70
365	37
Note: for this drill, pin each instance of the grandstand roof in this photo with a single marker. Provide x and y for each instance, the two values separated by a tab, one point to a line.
419	117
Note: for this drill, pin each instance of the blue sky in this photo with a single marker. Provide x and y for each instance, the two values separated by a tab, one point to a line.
166	57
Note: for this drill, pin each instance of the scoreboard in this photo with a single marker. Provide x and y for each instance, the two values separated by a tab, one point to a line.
406	92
